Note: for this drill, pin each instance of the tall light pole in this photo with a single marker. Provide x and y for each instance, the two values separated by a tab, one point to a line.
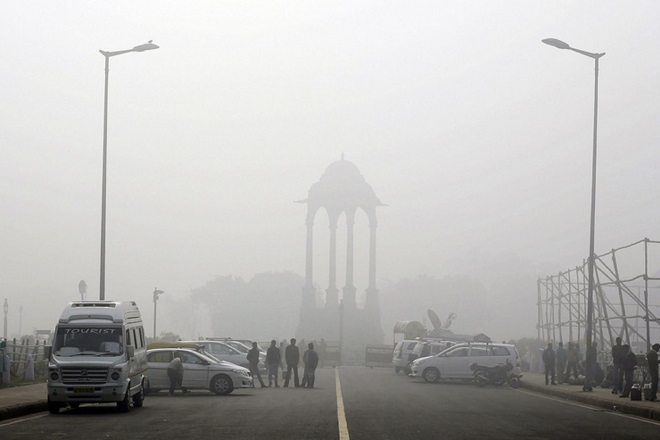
157	293
107	55
588	377
5	307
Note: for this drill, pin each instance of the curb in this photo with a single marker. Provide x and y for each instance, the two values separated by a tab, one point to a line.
624	406
24	409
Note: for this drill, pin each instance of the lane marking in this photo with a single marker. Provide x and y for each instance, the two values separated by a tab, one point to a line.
21	420
592	407
341	415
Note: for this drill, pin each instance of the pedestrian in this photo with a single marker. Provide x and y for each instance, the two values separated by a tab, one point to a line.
253	359
273	360
560	356
321	352
652	358
571	361
283	345
592	355
628	365
617	360
292	358
175	373
310	361
549	363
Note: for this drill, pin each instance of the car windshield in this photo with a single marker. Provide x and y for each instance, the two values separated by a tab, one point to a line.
85	341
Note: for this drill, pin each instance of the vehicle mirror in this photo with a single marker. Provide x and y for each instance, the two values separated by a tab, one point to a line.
130	351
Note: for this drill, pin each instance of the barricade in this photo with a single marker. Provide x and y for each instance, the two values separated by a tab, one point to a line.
379	356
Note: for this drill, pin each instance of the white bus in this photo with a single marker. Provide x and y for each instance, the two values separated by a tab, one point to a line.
99	355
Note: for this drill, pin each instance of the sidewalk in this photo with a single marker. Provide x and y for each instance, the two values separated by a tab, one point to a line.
19	401
600	397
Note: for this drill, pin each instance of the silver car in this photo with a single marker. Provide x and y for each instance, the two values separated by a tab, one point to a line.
200	372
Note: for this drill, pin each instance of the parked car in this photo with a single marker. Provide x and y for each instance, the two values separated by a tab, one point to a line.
200	372
401	355
429	347
226	352
454	362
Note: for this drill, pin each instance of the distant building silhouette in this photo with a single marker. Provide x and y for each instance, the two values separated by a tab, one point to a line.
341	189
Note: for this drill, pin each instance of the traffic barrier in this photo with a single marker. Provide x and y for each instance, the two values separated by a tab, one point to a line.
379	356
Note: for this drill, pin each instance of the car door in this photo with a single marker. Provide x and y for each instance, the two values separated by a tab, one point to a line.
195	371
157	363
455	364
482	355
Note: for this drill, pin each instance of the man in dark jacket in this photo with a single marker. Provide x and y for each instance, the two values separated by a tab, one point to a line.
628	365
549	362
253	359
311	361
292	358
273	360
652	358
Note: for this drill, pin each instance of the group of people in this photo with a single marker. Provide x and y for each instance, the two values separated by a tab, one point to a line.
560	363
286	357
291	359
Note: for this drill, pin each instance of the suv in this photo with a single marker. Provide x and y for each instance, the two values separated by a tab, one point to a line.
454	362
426	348
401	354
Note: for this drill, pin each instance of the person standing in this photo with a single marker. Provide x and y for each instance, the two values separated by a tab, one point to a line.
273	360
321	352
560	356
253	359
175	373
283	345
617	371
571	361
549	363
311	361
292	358
652	358
628	365
592	355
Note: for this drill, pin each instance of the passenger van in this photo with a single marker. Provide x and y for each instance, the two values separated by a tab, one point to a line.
99	355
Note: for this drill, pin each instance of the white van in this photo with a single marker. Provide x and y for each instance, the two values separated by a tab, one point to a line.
99	355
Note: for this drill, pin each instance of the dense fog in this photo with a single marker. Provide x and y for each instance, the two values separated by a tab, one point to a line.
474	135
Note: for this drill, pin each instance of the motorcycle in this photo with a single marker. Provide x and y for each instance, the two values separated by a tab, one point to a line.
497	375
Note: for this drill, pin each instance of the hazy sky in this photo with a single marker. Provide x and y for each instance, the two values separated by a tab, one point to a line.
476	135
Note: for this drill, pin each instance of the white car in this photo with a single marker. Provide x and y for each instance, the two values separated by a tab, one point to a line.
454	363
226	352
200	372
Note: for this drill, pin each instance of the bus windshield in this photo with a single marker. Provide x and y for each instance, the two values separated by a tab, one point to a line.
96	341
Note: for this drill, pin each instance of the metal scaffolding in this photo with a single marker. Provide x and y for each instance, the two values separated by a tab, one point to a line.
621	299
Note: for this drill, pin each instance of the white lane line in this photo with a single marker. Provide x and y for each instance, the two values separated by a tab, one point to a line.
341	416
21	420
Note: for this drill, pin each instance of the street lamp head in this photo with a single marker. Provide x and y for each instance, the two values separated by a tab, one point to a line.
556	43
146	46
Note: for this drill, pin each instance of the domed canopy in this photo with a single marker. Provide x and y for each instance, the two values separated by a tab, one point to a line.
342	187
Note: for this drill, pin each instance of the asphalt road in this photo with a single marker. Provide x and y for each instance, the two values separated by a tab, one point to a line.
377	403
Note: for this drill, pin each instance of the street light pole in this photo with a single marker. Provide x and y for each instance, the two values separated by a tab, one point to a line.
107	55
588	377
5	307
157	293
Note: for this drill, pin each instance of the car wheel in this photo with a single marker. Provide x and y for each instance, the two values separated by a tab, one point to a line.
125	405
54	408
222	385
408	368
138	399
431	375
